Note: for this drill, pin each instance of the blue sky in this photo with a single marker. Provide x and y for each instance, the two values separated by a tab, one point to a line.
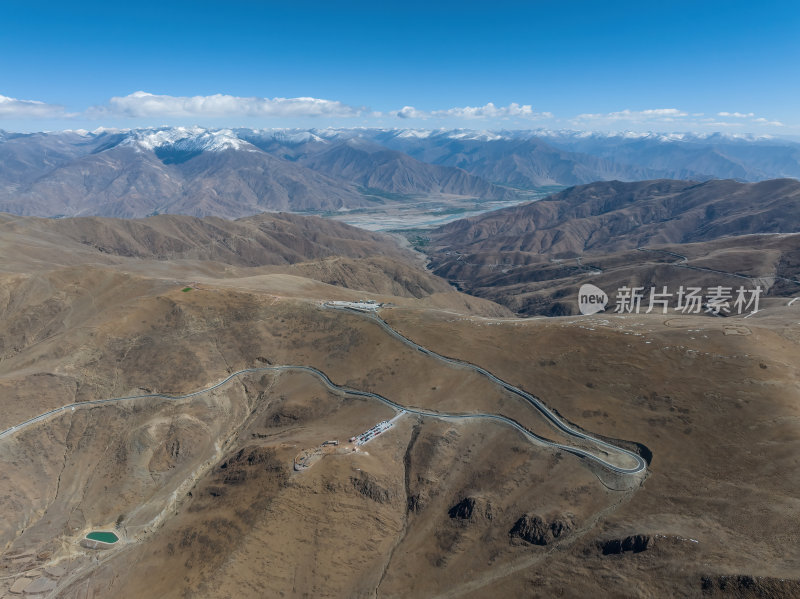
666	66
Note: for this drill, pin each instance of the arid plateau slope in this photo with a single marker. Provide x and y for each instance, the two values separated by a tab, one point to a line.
202	492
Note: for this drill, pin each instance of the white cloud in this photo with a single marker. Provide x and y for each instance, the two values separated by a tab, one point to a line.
764	121
652	114
13	108
748	116
658	118
713	123
409	112
488	111
142	104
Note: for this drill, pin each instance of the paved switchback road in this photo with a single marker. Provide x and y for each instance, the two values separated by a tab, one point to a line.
531	399
638	464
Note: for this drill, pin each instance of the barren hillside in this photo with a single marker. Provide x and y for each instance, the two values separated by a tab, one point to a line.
451	501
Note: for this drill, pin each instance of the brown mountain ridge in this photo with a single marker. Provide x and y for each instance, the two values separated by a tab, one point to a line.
533	257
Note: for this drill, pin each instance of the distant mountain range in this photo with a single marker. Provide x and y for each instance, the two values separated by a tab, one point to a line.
238	172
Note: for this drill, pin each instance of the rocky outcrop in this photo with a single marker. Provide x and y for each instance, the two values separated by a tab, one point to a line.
538	531
464	509
415	503
749	587
632	543
369	488
470	508
237	469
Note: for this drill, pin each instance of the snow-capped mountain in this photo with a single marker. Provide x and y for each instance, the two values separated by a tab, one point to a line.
235	172
188	139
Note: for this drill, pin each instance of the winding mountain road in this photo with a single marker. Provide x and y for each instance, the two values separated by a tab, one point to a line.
531	399
638	464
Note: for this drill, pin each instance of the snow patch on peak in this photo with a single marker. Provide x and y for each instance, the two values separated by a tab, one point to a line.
193	139
81	132
110	130
664	137
291	136
464	134
415	133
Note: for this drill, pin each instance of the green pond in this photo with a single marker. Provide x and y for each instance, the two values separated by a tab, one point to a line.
104	537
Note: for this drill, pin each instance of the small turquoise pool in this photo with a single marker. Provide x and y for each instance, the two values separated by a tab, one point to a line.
103	537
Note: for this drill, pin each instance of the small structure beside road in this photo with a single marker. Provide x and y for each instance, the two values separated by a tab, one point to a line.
360	305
